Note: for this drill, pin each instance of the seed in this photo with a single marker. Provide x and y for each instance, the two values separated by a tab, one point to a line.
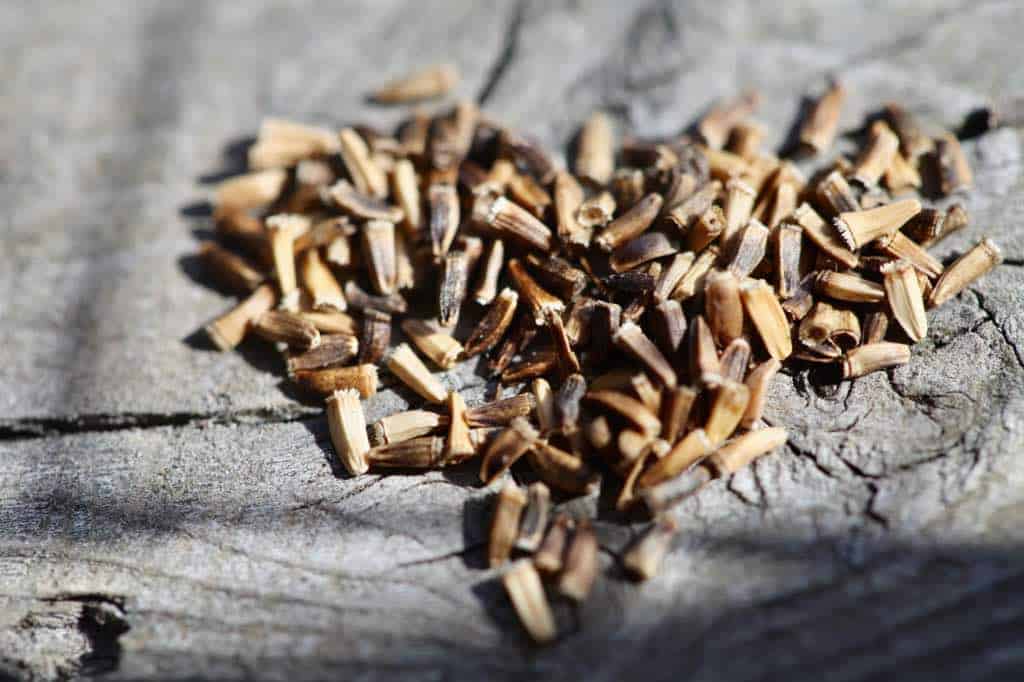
787	242
827	330
666	495
870	358
901	175
545	404
229	269
444	216
630	409
344	196
282	143
722	306
635	282
903	292
430	82
580	568
784	172
522	583
501	412
898	246
535	364
363	378
694	447
682	214
557	274
819	128
366	175
525	191
595	212
454	280
704	364
348	430
768	317
628	186
595	158
835	193
360	300
913	142
549	558
568	198
875	326
741	451
966	270
511	220
716	125
954	171
727	409
535	517
693	280
631	224
403	426
425	452
882	146
640	250
237	228
540	301
757	383
599	433
649	394
562	470
282	229
707	228
487	287
799	303
955	219
280	326
339	252
860	227
745	140
506	448
452	136
735	359
633	341
675	411
668	327
407	366
567	404
604	325
826	239
527	152
334	350
442	349
406	191
783	204
843	286
251	190
494	324
331	323
644	558
748	248
739	205
319	281
459	447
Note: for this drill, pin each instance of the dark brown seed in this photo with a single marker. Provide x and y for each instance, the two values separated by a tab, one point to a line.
568	363
695	205
444	216
229	269
454	280
819	129
540	301
360	300
954	171
604	325
913	142
668	327
835	193
506	448
513	221
334	350
558	275
494	324
748	248
344	196
535	364
281	326
634	282
640	250
375	337
633	341
631	224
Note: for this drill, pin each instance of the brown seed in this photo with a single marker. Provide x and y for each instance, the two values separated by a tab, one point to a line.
716	125
568	363
706	229
903	292
281	326
534	364
819	128
745	140
444	216
823	237
870	358
757	383
413	134
899	246
229	269
735	359
640	250
527	152
634	281
604	325
827	330
535	517
545	400
501	412
511	220
799	303
631	224
487	287
694	447
675	412
562	470
783	173
966	270
646	391
407	366
539	300
682	214
549	557
722	306
251	190
406	191
668	327
913	142
524	588
739	205
875	327
403	426
595	159
459	446
956	219
727	409
741	451
331	323
599	433
558	275
925	227
844	286
954	171
748	248
630	409
348	430
628	187
860	227
454	278
334	350
644	557
433	81
366	175
494	324
237	228
282	143
901	175
835	194
525	191
439	346
568	198
783	205
581	566
375	336
595	212
704	364
693	280
787	241
877	156
319	281
633	341
350	200
363	378
452	136
506	448
360	300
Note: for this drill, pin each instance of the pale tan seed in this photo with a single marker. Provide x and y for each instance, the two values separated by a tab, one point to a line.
903	292
407	366
524	588
348	430
966	270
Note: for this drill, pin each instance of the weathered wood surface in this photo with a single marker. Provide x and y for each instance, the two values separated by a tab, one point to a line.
205	533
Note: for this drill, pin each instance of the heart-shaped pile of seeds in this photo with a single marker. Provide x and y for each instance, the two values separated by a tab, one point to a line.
640	304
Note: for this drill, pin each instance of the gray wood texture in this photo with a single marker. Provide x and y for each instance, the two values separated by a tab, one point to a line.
168	512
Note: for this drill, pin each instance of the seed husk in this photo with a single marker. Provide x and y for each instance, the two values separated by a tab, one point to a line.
487	287
727	409
568	199
742	450
825	238
835	194
631	339
535	517
882	147
757	383
595	159
511	220
494	324
363	378
580	567
631	224
250	190
768	317
454	280
845	286
360	300
681	215
723	308
903	292
716	125
407	366
541	302
693	280
432	81
367	177
444	216
348	430
229	269
403	426
524	588
281	326
954	171
694	447
704	364
442	349
228	330
334	350
873	357
644	557
558	275
819	128
748	248
860	227
506	448
899	246
375	336
966	270
827	330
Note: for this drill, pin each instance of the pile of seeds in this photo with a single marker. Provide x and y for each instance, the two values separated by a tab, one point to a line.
640	304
